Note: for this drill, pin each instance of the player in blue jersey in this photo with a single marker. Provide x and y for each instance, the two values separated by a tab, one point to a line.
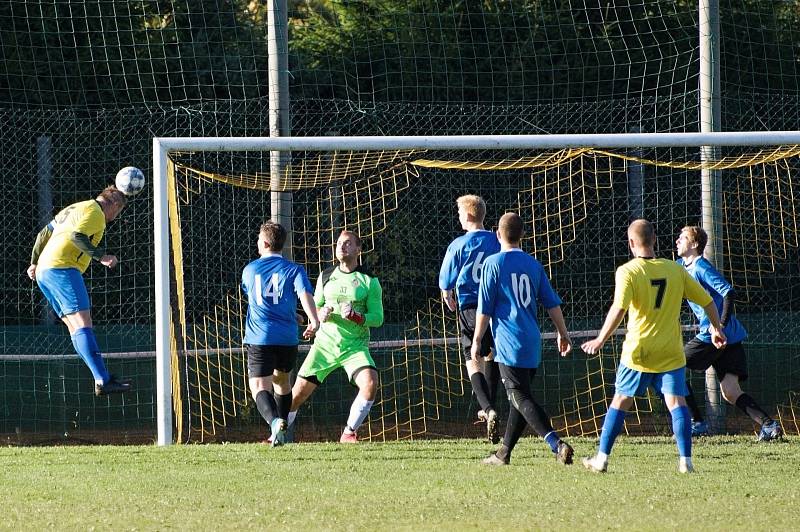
512	285
729	363
651	291
273	286
461	273
62	252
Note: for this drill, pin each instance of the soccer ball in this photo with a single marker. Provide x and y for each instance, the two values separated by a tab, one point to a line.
129	181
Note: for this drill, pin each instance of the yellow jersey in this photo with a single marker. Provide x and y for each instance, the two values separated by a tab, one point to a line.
652	291
83	217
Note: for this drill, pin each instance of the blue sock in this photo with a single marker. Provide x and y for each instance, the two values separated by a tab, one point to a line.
682	428
86	345
552	440
612	426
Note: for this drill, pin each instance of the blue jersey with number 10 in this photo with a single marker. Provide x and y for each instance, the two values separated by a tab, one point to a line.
272	285
462	264
512	285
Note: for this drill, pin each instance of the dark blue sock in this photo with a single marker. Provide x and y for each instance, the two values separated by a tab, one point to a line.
86	345
612	426
552	440
682	428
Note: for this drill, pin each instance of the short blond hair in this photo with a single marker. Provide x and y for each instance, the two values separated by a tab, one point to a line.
473	205
697	235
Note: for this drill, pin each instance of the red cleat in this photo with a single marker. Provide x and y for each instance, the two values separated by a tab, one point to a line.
348	438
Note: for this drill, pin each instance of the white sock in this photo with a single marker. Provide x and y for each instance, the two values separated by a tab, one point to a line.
603	457
686	460
358	412
291	418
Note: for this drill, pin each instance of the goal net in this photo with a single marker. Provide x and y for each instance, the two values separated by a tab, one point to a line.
87	84
576	204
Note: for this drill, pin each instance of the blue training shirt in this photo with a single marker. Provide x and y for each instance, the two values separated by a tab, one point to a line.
272	285
461	267
717	287
513	283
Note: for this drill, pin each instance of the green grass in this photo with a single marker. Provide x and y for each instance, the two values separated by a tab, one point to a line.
422	485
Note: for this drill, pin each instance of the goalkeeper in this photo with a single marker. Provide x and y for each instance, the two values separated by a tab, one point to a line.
349	301
62	252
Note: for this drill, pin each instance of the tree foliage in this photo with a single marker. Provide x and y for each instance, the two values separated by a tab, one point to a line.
113	53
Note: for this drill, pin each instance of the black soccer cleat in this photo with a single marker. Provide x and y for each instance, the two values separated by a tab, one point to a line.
114	385
564	453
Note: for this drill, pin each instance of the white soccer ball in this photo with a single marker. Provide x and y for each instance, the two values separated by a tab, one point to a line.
129	181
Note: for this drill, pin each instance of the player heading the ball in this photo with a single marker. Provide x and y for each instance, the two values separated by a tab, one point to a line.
62	252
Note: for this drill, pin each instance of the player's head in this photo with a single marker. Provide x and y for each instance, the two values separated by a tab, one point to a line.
348	247
271	237
691	242
641	235
510	228
471	208
112	201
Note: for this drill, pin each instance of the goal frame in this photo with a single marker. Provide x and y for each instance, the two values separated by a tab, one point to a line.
163	146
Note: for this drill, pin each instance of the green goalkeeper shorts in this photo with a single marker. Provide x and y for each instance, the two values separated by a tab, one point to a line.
323	359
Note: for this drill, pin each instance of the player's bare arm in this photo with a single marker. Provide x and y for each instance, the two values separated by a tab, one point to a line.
109	261
324	313
717	336
613	319
562	340
449	300
481	325
307	301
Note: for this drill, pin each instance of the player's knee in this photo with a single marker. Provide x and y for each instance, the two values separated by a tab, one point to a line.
258	384
472	366
301	390
515	397
623	402
730	390
367	382
280	378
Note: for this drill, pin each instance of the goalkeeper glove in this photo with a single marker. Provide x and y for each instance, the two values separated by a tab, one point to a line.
352	315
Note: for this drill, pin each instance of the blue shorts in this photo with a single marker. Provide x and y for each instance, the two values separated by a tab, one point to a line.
64	289
632	383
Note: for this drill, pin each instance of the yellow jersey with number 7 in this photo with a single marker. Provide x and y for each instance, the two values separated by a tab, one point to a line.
652	292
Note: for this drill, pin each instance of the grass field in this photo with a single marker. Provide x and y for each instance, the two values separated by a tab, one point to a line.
421	485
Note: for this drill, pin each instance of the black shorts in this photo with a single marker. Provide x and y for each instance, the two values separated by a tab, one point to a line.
516	378
700	356
263	360
466	319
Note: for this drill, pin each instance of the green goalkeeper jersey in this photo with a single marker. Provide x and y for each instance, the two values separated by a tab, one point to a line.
359	288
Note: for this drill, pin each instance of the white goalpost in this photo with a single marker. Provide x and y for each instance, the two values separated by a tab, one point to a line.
162	147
